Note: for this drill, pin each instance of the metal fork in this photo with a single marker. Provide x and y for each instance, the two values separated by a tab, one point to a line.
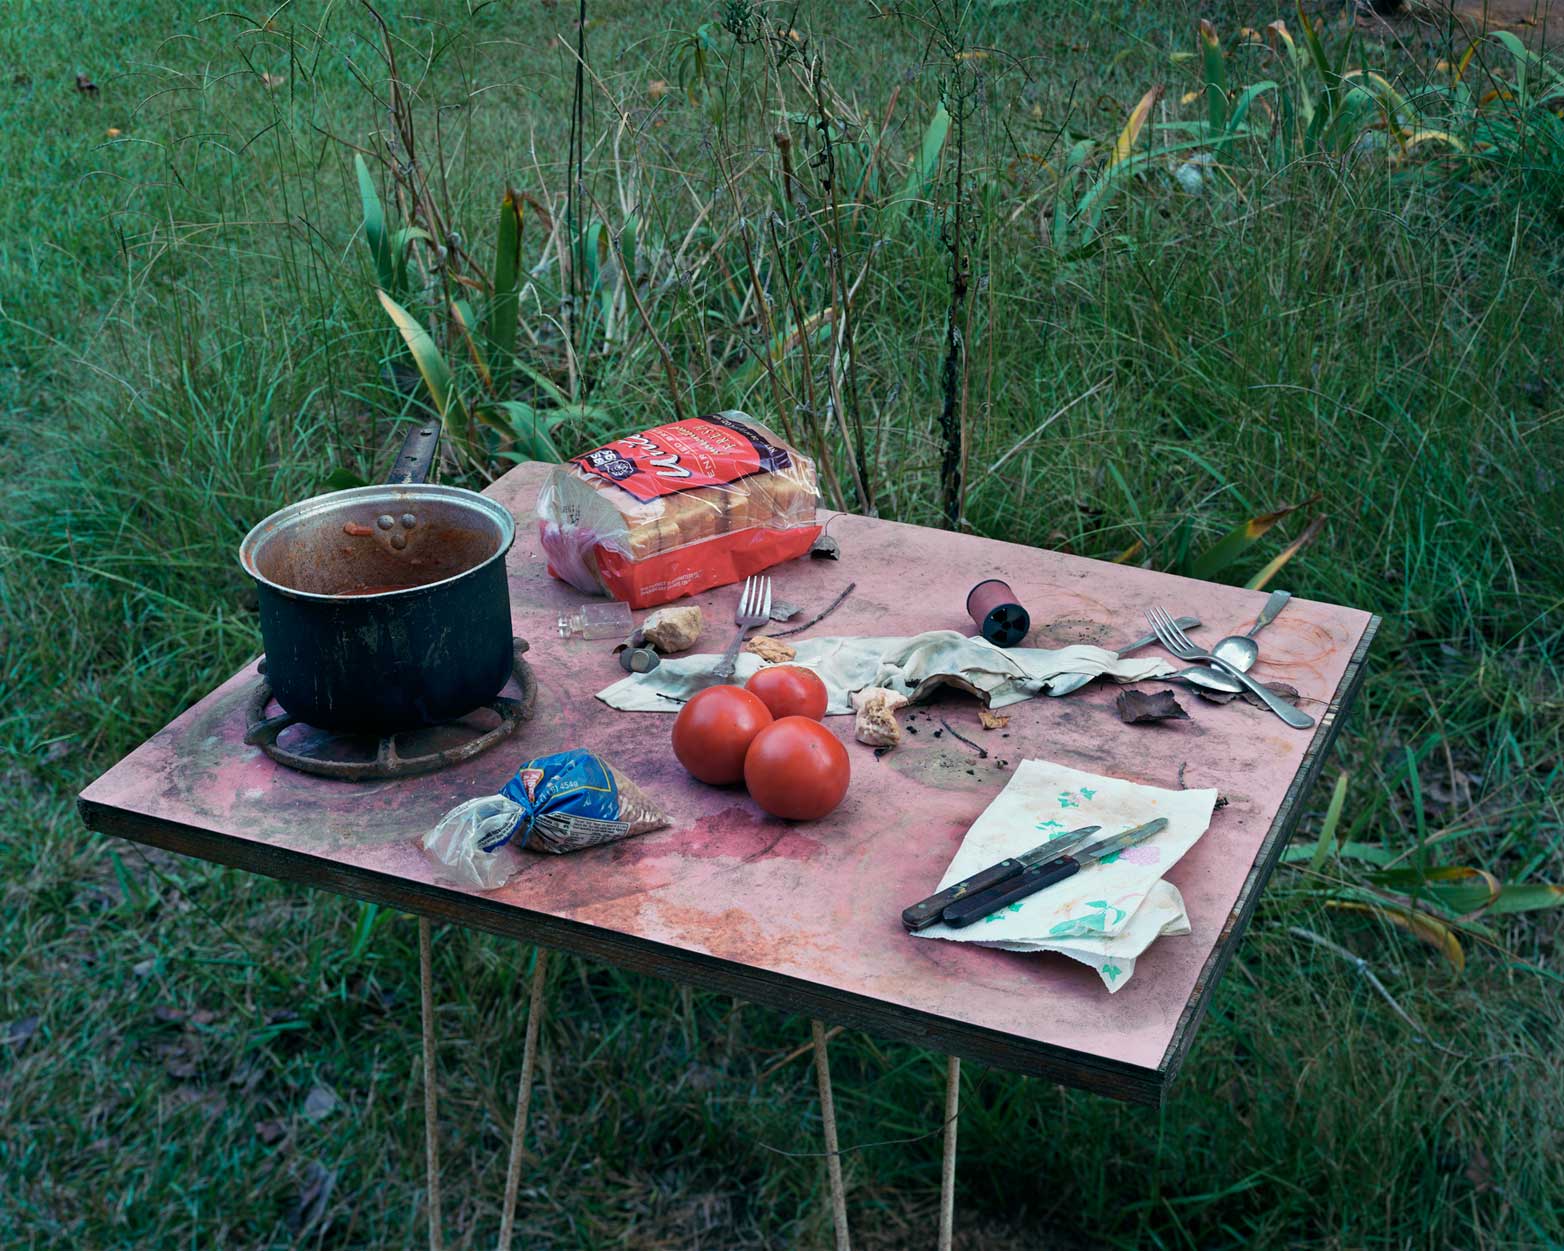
1177	642
754	610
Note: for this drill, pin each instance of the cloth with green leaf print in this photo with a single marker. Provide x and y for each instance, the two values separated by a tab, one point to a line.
1112	910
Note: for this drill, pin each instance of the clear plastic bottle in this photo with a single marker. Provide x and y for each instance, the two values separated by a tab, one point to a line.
602	619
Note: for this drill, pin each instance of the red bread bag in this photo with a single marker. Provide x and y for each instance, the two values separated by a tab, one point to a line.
677	510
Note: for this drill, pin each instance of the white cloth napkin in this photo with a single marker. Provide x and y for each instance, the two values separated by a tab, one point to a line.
913	666
1111	911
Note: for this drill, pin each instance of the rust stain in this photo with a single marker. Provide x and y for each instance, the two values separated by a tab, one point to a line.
1290	641
818	901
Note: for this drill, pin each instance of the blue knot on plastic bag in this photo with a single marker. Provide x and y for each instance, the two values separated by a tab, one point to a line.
570	783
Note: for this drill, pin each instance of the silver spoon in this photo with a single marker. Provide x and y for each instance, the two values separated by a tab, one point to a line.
1239	650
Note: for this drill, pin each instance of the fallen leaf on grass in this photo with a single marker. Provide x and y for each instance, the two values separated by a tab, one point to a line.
272	81
1478	1171
113	132
212	1103
18	1032
319	1103
307	1210
1136	707
248	1073
179	1063
992	720
657	88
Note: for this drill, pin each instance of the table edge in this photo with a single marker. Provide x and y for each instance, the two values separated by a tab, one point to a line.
1117	1079
1267	858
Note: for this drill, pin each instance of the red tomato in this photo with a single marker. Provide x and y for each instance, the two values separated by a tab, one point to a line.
797	769
713	731
790	691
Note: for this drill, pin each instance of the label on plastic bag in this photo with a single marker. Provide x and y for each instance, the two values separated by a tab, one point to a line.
695	452
570	784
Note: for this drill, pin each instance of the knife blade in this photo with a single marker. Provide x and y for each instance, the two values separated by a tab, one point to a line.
927	911
975	906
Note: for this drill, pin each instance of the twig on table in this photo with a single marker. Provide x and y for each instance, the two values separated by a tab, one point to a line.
957	734
818	617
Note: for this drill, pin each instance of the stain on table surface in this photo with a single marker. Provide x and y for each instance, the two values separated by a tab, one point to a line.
733	894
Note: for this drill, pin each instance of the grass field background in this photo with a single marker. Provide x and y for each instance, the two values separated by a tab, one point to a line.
189	337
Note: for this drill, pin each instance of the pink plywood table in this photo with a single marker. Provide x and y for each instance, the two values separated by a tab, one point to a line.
807	917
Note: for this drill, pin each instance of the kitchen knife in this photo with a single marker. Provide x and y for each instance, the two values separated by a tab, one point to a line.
924	913
975	906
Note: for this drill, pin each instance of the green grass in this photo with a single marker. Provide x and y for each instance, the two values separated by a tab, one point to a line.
189	338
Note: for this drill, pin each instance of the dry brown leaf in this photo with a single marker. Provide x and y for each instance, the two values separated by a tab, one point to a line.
269	1132
992	720
657	88
1249	697
272	81
1136	707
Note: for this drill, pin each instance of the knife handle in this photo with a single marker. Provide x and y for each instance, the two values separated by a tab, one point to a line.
927	911
976	907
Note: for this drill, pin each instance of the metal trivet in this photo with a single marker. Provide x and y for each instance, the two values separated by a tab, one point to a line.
320	751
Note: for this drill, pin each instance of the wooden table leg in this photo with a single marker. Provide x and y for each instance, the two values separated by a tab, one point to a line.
431	1127
947	1181
833	1152
529	1064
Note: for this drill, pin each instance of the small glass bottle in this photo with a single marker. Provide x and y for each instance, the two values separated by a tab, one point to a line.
602	619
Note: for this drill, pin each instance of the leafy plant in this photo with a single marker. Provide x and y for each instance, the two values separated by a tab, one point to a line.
1438	903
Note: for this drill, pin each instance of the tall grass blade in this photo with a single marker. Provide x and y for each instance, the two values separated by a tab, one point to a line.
1430	929
1528	897
432	369
1239	539
926	165
375	227
532	430
1464	890
1332	818
1215	67
1133	125
1274	566
500	325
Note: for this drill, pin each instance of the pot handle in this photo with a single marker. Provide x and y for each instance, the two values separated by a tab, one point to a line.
417	455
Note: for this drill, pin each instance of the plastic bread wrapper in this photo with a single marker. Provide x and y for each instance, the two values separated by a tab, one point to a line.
678	509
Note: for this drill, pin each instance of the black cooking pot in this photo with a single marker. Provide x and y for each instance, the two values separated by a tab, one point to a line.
385	607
